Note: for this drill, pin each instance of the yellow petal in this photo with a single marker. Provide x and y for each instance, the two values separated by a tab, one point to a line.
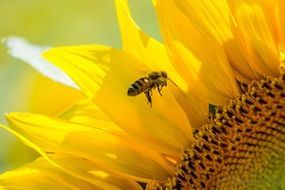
49	97
88	171
257	34
53	135
239	61
214	18
198	57
79	167
26	141
154	55
40	174
89	65
196	110
85	112
282	58
25	178
208	16
143	47
105	74
120	156
28	178
281	5
36	127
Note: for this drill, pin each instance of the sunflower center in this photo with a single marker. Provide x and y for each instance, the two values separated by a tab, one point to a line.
241	147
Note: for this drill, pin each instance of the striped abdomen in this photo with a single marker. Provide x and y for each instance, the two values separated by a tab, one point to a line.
139	86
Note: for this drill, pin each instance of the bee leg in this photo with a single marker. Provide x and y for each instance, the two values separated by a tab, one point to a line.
159	89
148	97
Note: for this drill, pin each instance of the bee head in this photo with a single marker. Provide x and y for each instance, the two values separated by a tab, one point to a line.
164	74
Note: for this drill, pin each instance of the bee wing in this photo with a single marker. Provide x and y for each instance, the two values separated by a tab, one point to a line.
141	72
137	74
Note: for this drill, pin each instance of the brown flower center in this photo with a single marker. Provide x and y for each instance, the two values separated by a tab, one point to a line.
241	147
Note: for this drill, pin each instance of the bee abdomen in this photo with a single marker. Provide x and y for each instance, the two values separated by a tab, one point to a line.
139	86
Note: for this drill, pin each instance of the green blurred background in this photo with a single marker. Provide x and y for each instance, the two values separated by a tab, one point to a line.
54	23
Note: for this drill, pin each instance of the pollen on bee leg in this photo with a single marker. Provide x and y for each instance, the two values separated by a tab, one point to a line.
148	97
241	146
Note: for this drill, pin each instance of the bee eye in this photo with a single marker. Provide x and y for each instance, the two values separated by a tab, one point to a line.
164	74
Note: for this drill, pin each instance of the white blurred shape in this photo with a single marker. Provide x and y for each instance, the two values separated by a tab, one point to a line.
31	54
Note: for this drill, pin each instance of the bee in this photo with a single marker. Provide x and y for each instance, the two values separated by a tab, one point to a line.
155	79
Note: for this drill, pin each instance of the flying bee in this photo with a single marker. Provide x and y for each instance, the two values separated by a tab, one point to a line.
155	79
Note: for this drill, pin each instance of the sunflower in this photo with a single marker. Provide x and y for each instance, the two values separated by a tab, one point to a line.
226	54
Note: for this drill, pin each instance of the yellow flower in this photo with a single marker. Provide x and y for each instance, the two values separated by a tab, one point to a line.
224	53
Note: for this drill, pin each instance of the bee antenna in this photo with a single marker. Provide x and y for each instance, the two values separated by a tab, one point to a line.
172	81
